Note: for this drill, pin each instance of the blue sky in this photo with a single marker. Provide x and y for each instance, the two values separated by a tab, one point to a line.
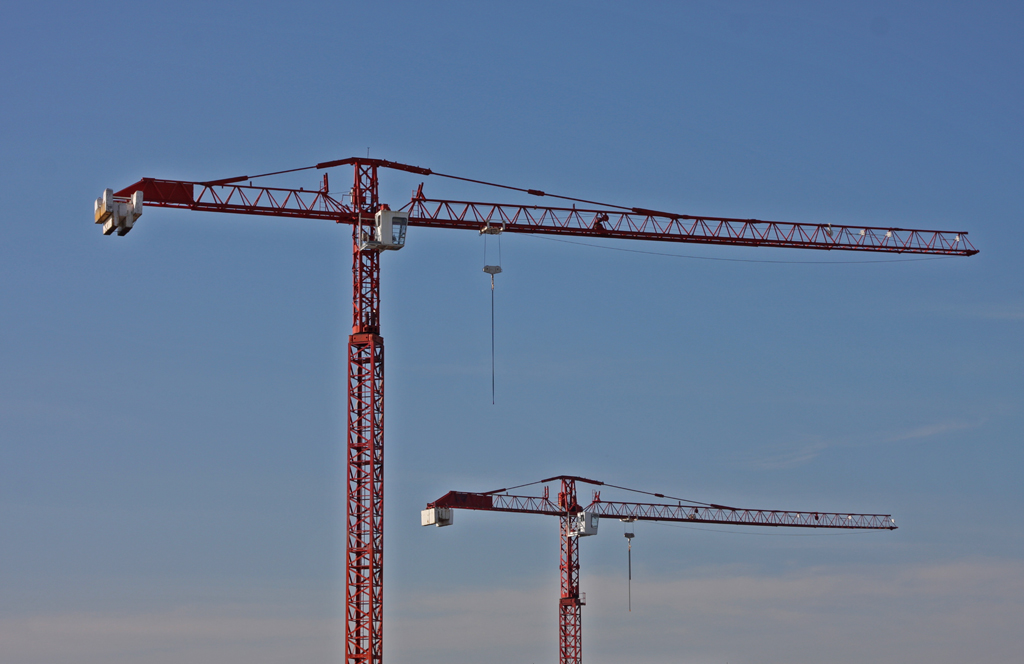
171	405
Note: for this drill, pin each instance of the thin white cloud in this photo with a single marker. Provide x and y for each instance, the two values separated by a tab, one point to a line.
474	626
788	456
929	430
937	614
225	634
1009	311
796	455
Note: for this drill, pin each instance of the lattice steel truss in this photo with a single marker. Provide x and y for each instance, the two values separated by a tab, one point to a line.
570	618
364	549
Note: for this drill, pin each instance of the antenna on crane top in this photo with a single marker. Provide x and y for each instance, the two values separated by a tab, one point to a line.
492	270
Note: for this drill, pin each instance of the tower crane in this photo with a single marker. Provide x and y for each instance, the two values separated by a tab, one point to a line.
576	522
377	228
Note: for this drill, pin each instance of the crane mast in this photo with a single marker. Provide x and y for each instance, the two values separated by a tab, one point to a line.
571	601
576	522
372	225
364	548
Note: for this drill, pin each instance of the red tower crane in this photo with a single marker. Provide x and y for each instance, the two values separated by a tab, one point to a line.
576	521
375	228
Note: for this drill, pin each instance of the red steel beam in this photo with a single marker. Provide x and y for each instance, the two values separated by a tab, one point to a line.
741	517
243	199
662	512
570	601
636	224
364	548
642	224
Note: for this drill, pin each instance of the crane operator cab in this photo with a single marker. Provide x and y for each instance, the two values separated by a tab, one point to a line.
389	231
585	524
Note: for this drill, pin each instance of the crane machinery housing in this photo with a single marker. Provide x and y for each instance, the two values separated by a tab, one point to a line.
377	228
576	522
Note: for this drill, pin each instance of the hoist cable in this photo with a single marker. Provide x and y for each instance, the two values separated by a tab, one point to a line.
629	584
492	321
492	338
492	270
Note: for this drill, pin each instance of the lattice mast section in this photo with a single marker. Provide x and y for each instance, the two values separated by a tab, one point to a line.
364	550
570	619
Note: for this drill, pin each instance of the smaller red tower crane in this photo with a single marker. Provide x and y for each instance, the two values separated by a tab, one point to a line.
576	521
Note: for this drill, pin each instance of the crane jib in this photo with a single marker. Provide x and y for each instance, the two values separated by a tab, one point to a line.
710	514
228	196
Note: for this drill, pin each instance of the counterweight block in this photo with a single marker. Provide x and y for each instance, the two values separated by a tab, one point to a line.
117	215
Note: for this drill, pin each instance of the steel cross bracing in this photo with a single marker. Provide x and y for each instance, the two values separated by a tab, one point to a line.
364	550
570	602
365	444
716	514
627	223
641	224
567	509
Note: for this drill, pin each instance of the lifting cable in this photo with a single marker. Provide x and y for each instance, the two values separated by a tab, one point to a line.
629	533
492	270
